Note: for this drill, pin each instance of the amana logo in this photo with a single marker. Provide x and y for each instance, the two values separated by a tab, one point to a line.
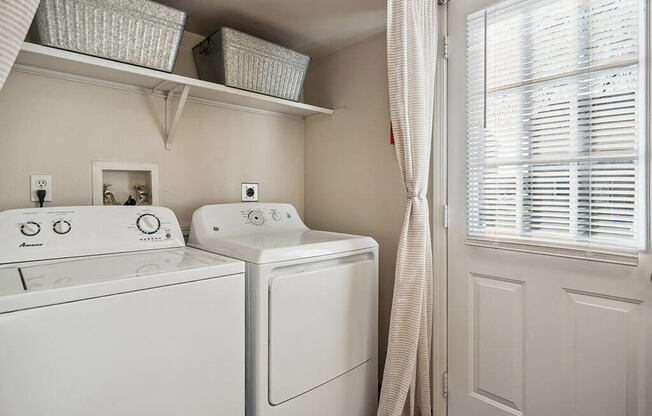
31	245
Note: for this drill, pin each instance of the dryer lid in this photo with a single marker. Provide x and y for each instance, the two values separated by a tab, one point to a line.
265	233
275	247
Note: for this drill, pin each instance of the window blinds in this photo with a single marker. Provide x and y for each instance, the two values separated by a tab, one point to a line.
556	125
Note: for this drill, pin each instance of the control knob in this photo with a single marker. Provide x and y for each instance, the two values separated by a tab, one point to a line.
148	224
62	227
30	228
256	218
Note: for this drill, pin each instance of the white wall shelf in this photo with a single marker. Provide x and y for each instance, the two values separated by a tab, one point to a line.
73	66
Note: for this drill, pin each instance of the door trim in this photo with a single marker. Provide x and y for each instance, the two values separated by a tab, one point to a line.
439	177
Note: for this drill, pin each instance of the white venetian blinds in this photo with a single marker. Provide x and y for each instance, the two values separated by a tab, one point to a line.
555	123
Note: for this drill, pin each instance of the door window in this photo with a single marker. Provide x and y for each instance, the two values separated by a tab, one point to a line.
555	125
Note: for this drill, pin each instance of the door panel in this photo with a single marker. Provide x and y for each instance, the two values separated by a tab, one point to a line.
321	325
533	334
497	341
603	355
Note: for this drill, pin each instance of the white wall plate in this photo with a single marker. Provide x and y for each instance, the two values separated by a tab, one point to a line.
40	182
249	192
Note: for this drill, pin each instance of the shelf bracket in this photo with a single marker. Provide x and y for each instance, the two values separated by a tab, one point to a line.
159	87
172	118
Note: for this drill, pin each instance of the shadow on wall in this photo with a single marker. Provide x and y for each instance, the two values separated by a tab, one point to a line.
352	181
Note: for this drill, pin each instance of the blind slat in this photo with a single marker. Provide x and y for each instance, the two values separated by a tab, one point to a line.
555	120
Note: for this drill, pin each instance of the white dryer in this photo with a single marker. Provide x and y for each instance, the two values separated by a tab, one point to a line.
312	306
105	312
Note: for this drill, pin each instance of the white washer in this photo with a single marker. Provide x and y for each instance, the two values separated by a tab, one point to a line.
121	319
312	305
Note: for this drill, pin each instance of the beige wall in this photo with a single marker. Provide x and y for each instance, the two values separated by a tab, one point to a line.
57	127
352	181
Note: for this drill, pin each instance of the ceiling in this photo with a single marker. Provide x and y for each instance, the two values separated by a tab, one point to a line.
313	27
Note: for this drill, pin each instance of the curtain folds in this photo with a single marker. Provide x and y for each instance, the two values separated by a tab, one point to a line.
412	35
15	19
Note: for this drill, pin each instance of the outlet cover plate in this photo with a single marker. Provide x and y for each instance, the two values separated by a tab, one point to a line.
249	192
35	185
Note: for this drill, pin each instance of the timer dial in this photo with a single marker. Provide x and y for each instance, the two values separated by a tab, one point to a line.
148	223
30	228
256	218
62	227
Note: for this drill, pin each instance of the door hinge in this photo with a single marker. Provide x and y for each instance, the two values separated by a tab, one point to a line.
444	384
446	216
445	46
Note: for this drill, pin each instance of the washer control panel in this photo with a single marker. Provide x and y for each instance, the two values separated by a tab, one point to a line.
50	233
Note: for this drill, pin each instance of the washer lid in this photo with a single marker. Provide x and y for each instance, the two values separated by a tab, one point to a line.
39	283
90	270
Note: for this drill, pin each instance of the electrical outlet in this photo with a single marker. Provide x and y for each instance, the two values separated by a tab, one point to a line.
249	192
40	182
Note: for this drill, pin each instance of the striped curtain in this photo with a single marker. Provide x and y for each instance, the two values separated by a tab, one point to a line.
411	59
15	19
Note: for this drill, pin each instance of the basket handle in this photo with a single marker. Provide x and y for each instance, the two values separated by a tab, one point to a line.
205	46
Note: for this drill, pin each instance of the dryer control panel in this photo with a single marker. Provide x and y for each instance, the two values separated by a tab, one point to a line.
271	215
245	218
58	232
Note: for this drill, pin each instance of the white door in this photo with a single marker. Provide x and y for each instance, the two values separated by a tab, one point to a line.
545	319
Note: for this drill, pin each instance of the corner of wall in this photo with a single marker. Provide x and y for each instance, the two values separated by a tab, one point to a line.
352	182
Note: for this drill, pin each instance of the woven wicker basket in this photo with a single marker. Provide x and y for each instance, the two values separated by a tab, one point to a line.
243	61
139	32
